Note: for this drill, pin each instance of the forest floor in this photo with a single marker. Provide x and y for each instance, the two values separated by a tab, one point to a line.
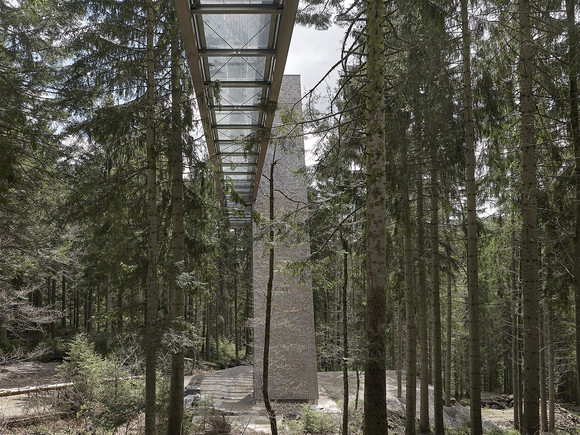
231	393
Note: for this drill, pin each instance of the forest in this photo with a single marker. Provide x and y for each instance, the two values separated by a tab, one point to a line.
443	209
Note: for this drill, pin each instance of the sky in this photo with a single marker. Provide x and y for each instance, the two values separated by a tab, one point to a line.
312	53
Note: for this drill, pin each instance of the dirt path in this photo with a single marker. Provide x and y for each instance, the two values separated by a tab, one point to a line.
27	374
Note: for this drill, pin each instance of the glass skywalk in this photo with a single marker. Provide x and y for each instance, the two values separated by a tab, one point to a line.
236	51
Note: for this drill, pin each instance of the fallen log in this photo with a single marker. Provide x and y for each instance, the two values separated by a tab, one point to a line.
37	389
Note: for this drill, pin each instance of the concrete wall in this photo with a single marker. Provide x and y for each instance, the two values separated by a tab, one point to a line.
292	368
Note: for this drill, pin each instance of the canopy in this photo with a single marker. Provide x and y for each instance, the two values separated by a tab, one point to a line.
236	52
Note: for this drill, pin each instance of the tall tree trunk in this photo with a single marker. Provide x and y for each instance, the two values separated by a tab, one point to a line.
411	362
423	297
551	362
236	332
436	310
516	351
52	304
543	395
63	302
216	325
472	267
266	360
399	313
120	308
108	311
89	310
175	421
151	298
248	310
575	131
515	359
345	355
206	329
375	404
448	342
530	422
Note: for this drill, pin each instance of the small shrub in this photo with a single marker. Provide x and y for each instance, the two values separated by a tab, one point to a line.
102	389
316	422
499	431
227	352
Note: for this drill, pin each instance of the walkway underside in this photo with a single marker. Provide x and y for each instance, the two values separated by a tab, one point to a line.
236	51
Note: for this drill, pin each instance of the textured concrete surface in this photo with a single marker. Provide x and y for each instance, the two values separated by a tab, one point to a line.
292	374
230	392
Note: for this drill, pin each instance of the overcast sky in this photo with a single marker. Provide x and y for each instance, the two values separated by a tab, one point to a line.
312	53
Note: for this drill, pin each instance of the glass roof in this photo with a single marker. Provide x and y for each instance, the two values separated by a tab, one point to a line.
236	52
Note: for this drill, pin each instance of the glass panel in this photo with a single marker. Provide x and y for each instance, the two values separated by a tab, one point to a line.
236	68
237	117
229	168
236	2
237	160
232	148
240	96
236	177
237	31
233	134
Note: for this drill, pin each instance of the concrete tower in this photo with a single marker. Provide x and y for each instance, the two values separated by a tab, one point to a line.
292	356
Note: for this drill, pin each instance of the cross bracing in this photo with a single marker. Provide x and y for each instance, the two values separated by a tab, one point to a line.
236	51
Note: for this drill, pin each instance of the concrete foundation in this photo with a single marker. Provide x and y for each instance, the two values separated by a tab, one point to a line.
292	356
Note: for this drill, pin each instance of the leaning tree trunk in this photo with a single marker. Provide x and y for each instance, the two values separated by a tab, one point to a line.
375	403
267	328
151	302
177	297
530	421
472	267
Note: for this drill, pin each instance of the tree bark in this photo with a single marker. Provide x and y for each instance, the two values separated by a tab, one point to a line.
423	317
515	358
399	313
375	405
265	392
411	361
344	335
175	421
575	133
472	267
551	363
448	342
52	304
530	422
63	302
236	332
436	305
543	395
151	298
